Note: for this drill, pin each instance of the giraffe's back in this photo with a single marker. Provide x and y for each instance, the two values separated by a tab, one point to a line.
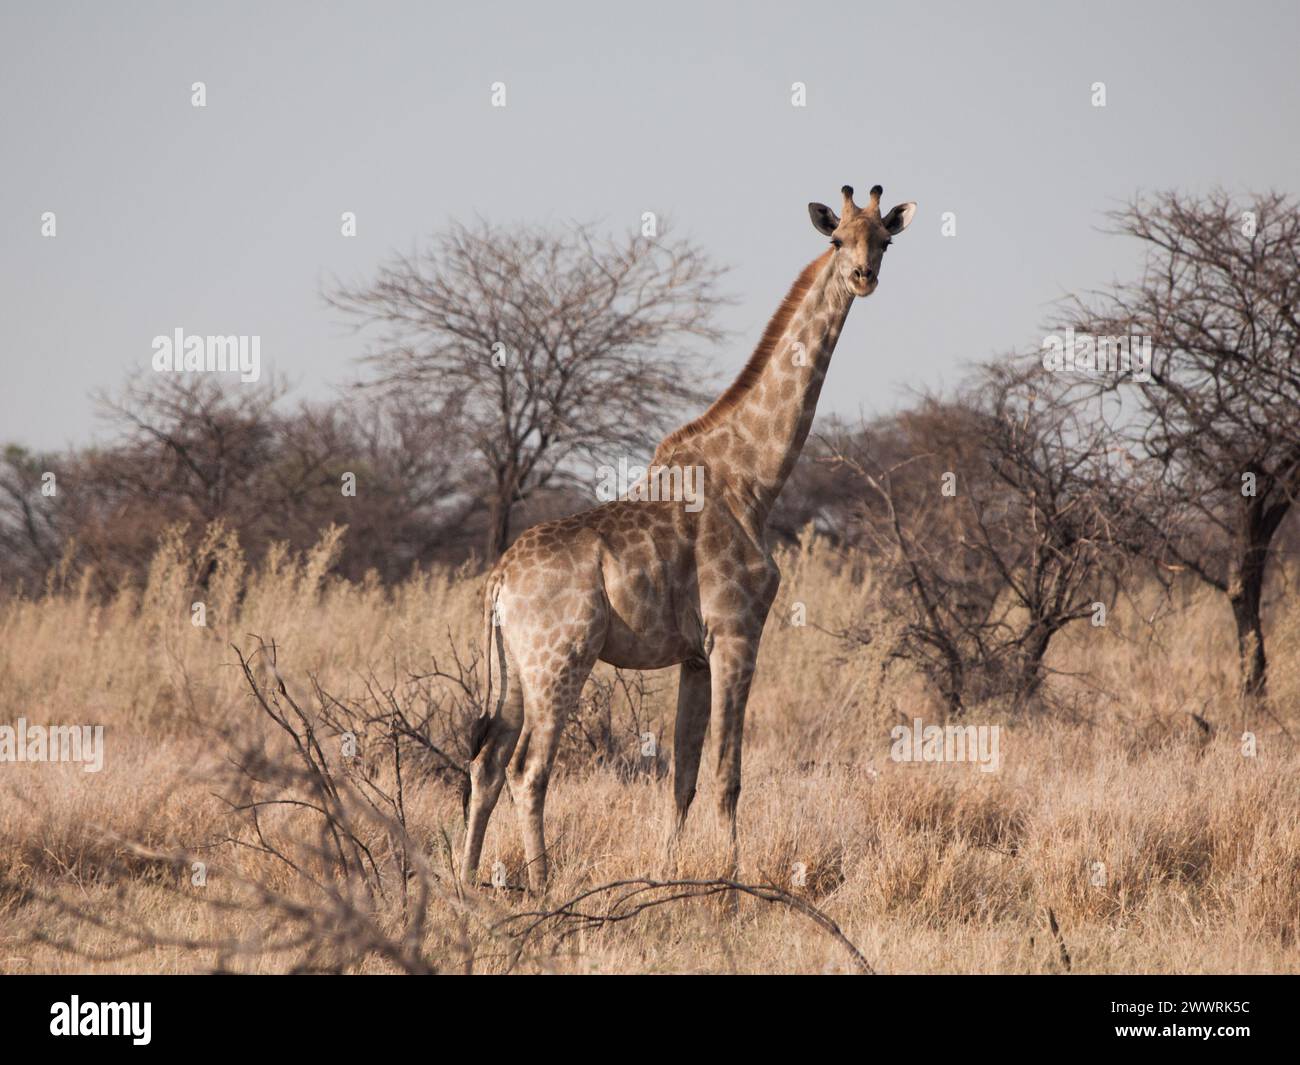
621	574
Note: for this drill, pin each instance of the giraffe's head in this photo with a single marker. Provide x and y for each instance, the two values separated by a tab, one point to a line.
860	237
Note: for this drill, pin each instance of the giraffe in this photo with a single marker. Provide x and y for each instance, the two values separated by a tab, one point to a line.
648	583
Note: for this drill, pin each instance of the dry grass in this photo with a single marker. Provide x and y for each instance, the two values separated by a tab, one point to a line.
1157	849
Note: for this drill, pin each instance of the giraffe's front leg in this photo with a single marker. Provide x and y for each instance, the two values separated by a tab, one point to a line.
731	667
694	697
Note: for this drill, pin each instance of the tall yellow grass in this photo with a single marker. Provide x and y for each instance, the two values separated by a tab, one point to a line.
1157	849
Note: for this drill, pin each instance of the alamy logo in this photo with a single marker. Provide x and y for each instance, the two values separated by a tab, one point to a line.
946	743
1085	353
102	1018
22	742
179	353
677	484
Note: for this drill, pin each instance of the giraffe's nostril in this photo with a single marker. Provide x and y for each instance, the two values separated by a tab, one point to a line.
871	275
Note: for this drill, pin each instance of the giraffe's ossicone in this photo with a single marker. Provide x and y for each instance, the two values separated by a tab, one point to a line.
666	577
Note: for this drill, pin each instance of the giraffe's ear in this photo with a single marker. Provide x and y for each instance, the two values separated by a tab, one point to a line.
823	218
899	218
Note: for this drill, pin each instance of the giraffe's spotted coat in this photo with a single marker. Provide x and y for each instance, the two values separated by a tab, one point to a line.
645	585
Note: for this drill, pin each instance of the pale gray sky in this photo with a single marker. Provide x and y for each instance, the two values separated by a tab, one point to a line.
226	219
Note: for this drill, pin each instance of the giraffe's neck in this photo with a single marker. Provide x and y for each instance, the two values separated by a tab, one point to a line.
750	439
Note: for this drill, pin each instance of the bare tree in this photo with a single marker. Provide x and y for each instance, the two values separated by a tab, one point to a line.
32	523
411	505
192	451
208	440
553	346
1000	515
1221	408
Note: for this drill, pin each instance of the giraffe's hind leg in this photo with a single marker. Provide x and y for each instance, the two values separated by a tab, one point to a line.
549	698
497	733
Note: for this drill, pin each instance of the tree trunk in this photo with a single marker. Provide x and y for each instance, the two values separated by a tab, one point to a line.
1246	596
1260	521
498	530
1033	650
501	510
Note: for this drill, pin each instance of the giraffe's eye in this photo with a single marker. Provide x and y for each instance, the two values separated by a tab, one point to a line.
836	242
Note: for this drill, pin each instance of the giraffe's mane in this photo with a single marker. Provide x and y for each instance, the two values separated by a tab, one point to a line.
753	369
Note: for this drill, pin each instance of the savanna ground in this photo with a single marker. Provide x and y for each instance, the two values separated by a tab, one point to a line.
1155	846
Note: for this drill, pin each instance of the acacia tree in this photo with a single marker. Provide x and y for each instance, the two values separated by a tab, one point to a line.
192	450
1000	514
1221	410
553	346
